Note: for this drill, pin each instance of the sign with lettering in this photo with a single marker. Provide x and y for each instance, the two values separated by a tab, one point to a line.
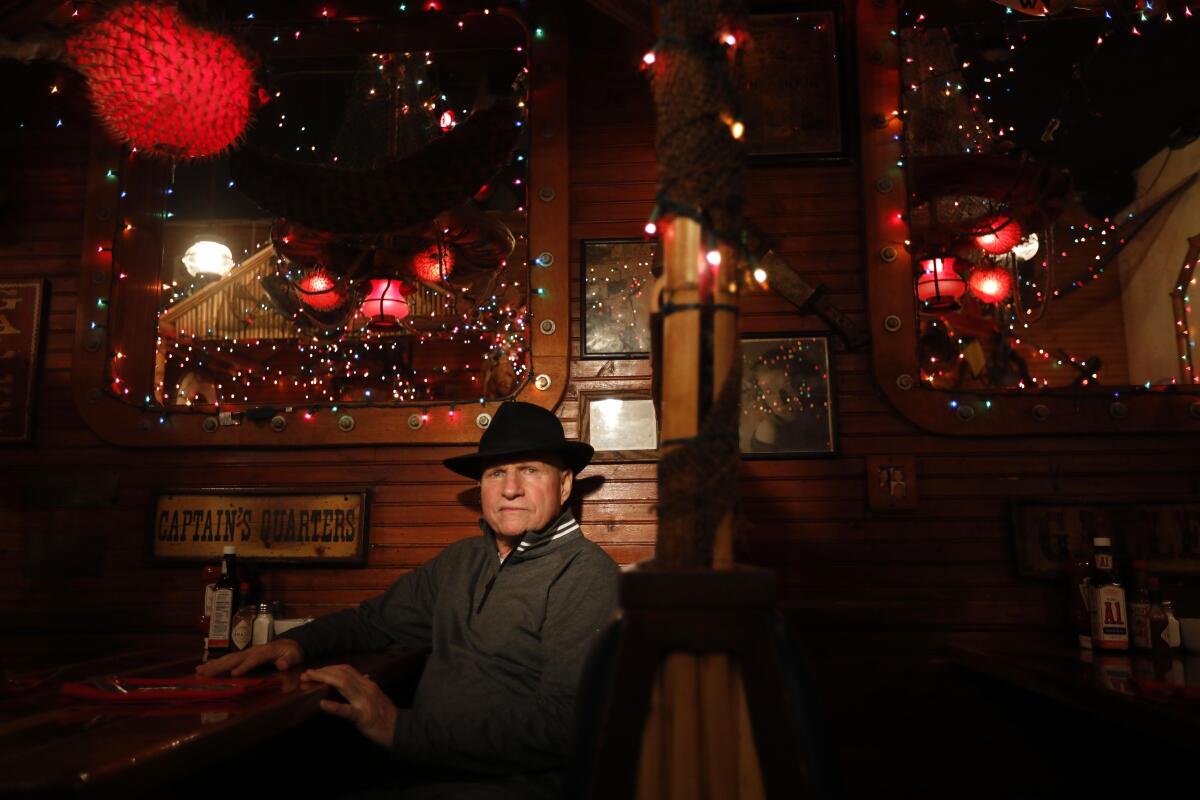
21	303
275	525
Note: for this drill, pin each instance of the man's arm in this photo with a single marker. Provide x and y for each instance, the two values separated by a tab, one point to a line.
403	615
500	733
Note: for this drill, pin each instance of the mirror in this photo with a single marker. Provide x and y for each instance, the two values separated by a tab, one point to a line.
1030	186
336	265
1050	166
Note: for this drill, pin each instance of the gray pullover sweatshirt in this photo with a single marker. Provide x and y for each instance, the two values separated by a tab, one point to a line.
508	644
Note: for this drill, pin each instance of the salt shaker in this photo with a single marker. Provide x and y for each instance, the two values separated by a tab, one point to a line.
264	625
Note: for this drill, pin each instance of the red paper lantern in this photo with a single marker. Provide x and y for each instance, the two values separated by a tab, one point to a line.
320	291
939	286
386	304
163	84
991	285
434	263
999	235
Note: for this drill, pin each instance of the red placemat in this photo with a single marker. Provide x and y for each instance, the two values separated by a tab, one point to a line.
116	689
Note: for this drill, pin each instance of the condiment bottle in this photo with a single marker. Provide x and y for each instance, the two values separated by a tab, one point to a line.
1079	596
223	604
264	625
243	621
1110	620
209	576
1156	621
1170	634
1139	608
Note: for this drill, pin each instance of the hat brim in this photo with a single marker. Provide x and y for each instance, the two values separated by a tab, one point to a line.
575	456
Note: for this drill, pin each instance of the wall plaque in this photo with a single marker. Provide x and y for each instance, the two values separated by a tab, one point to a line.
268	524
21	303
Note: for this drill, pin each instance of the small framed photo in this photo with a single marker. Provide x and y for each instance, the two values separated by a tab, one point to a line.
622	426
797	85
22	313
787	397
615	293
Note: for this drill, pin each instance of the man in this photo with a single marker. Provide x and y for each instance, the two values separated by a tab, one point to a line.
509	616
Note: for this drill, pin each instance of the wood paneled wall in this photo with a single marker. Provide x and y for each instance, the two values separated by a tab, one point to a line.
875	588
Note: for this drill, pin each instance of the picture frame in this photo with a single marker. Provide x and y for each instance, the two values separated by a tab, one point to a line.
1046	535
301	525
788	397
621	425
22	329
614	295
797	76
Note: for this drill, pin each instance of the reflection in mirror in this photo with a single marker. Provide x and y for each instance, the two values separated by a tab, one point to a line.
330	261
1051	167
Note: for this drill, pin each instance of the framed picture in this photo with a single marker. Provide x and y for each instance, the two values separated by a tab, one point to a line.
1047	535
622	426
22	310
296	526
615	293
797	84
787	397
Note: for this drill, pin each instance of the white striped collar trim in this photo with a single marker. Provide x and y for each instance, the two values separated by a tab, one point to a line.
570	526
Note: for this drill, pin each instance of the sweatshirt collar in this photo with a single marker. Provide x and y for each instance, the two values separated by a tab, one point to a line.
532	545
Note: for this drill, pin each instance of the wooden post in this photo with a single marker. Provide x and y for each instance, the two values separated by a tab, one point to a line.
696	742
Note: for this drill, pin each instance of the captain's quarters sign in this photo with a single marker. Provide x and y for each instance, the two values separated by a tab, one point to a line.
275	525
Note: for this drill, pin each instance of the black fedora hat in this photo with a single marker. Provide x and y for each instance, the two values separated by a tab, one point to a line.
521	429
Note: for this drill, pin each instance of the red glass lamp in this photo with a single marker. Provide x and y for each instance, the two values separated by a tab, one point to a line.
939	285
386	305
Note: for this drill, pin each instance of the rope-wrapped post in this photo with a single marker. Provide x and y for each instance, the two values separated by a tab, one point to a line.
701	158
697	740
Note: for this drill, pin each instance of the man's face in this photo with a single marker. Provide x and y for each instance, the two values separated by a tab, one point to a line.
525	495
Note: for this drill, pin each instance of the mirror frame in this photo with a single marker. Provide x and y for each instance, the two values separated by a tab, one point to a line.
891	309
128	424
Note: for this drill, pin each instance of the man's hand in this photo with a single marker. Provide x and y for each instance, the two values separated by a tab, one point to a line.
284	652
369	708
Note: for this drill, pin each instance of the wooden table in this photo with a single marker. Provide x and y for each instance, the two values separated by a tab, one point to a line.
1128	690
55	746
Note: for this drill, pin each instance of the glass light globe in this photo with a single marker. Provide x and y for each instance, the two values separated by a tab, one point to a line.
1028	248
208	258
